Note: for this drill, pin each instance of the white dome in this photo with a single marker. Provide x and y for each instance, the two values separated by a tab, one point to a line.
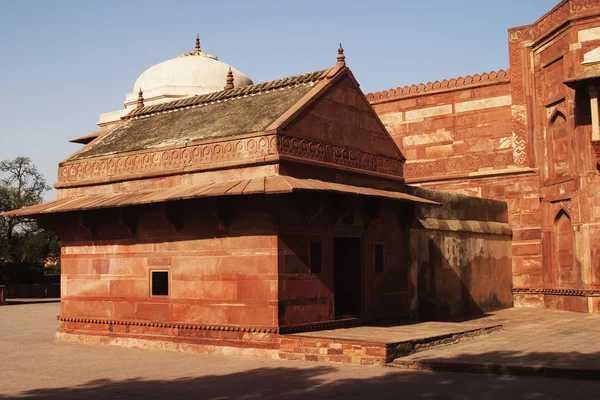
191	74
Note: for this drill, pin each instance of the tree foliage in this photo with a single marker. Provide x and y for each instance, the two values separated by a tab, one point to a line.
21	240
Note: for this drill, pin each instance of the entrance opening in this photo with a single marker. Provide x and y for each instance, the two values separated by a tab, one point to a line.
347	276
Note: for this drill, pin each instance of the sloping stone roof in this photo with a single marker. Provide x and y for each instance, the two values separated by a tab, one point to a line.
215	115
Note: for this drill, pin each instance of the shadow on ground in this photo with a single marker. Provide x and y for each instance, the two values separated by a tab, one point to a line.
325	381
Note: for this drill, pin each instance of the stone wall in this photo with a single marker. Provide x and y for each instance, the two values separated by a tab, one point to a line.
306	296
555	119
223	268
523	137
450	129
461	257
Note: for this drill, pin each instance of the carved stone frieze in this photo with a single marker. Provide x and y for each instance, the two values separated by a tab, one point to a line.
470	163
210	155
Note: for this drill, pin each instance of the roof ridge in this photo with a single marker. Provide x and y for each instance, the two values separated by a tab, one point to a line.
227	94
446	84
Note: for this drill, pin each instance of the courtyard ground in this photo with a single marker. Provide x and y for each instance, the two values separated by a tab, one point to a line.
35	366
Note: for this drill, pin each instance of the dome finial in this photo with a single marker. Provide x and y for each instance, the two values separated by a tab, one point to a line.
341	58
197	48
140	99
229	80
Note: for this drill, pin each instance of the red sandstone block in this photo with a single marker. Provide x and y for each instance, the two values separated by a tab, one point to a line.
131	288
528	280
135	248
153	311
251	315
524	249
435	152
200	314
534	219
491	91
86	308
194	268
376	351
163	261
528	300
101	266
311	357
342	359
528	265
485	116
257	290
123	310
129	267
85	287
331	351
76	266
205	290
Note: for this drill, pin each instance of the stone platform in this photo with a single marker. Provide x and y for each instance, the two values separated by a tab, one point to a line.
378	345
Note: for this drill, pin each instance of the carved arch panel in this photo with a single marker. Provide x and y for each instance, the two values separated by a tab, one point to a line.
565	269
560	150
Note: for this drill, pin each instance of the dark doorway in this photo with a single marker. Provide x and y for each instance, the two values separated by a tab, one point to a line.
346	276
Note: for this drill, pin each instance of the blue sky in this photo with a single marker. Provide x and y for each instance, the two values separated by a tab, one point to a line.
65	62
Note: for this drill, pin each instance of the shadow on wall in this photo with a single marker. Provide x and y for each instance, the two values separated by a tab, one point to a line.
463	287
325	382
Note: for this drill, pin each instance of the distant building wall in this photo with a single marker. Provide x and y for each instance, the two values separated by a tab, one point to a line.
522	136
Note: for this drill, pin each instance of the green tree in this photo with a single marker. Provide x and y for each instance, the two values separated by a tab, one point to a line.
21	240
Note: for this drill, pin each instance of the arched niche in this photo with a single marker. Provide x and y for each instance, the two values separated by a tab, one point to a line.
565	269
559	139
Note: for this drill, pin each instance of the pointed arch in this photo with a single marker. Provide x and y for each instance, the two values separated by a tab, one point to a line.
564	266
559	145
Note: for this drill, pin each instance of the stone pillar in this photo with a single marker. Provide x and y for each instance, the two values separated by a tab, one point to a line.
593	91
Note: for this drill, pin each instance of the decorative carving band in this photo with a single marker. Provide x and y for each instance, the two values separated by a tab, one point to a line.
223	328
552	20
486	78
453	165
210	155
343	323
157	160
559	292
339	156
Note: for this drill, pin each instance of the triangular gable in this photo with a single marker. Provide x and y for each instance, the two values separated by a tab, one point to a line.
337	112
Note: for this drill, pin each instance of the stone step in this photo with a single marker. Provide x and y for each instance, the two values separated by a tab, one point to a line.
412	346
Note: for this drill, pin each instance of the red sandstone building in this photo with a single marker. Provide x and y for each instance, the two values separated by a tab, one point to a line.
221	219
528	136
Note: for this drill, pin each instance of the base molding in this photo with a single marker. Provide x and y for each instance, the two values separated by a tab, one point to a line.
166	345
558	292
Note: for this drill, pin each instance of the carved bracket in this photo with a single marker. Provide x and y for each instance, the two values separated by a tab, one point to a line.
371	211
174	211
89	221
224	211
129	218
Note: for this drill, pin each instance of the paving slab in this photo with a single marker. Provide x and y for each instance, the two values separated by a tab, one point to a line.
35	366
532	342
